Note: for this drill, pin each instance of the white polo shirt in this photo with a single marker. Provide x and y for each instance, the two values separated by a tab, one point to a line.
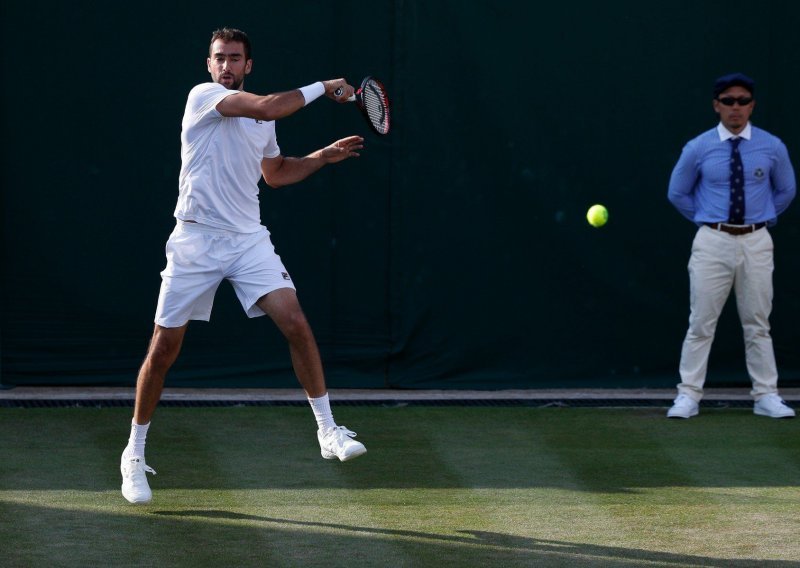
221	163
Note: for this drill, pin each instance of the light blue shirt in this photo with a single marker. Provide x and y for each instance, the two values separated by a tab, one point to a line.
700	183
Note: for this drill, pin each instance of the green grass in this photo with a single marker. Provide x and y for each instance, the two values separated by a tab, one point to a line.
443	486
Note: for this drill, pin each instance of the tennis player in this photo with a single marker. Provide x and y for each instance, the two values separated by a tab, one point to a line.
227	143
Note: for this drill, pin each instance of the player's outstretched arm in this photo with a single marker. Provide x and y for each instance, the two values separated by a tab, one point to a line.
281	170
280	105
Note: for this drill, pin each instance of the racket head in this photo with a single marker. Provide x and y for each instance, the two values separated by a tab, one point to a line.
373	101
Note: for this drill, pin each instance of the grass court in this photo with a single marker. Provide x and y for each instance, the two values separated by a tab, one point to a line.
439	486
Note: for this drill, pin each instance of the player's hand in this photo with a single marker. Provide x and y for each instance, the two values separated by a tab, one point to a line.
342	149
331	87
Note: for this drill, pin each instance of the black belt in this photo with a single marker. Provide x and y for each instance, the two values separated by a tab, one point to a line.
736	229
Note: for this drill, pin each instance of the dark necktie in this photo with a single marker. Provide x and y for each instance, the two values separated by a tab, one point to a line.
736	215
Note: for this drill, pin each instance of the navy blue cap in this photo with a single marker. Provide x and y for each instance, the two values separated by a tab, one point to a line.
732	80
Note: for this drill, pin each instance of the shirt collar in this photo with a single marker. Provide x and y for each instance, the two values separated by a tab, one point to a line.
725	134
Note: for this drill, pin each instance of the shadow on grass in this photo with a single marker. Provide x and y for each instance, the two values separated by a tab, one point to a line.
531	548
35	535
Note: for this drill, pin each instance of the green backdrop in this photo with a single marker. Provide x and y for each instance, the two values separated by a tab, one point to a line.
454	253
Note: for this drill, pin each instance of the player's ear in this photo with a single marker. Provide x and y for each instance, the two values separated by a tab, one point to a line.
715	103
248	66
208	64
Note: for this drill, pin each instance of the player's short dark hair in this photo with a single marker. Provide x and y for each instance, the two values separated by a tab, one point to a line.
231	34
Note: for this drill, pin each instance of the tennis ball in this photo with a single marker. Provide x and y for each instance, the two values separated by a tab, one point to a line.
597	215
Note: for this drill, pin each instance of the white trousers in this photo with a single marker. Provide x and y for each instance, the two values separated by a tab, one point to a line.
720	261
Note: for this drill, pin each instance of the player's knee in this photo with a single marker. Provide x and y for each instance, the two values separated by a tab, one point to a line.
295	326
164	349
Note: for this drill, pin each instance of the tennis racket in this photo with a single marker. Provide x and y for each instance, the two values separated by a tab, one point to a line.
373	102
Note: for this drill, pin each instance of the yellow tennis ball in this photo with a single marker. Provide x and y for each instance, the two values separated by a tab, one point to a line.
597	215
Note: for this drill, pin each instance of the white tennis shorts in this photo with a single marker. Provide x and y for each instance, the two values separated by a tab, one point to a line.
199	257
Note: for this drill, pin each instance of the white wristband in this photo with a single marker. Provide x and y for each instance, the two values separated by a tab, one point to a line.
313	91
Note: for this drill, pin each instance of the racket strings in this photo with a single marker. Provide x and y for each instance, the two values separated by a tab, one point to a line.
376	104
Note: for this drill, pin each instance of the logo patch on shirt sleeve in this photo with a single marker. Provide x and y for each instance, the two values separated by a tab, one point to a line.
285	275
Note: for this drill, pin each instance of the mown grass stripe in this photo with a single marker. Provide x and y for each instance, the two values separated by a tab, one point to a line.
451	486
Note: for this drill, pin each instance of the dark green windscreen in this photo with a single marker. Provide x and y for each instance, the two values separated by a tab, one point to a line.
454	253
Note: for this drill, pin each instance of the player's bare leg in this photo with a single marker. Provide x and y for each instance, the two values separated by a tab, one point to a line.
284	309
161	354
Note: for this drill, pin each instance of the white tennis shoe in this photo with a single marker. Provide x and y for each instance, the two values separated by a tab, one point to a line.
773	406
134	480
337	442
684	407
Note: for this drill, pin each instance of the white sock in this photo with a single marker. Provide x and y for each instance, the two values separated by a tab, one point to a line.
322	412
135	448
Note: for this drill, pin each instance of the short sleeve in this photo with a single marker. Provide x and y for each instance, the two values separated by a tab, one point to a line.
271	149
203	100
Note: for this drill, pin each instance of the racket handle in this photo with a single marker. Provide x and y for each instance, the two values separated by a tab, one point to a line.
338	93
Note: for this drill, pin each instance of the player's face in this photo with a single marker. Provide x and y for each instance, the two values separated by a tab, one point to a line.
734	117
227	64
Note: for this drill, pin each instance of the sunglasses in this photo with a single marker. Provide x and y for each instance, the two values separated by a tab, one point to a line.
729	101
